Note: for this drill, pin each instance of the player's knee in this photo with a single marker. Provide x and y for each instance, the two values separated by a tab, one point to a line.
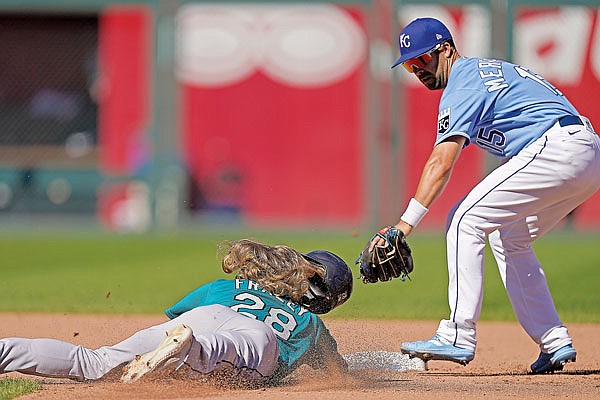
91	364
465	225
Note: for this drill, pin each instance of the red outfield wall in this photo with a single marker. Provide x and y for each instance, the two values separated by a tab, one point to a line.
280	115
273	102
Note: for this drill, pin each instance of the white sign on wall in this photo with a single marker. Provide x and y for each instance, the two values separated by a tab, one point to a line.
297	45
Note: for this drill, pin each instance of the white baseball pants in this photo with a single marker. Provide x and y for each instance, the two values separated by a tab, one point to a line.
222	338
518	202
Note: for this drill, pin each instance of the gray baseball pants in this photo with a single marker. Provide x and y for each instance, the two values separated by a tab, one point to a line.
222	337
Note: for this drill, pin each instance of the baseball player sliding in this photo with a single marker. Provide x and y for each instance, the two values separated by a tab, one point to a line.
553	166
254	329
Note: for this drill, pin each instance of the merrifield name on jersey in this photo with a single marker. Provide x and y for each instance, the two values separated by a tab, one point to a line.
490	71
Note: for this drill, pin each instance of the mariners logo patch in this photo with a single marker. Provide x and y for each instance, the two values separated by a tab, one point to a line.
443	121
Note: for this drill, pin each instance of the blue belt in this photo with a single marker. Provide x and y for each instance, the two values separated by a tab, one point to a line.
569	120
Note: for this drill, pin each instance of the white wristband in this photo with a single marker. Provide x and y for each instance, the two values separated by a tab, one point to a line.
414	213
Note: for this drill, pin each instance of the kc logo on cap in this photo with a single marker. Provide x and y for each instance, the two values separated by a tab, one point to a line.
404	40
419	37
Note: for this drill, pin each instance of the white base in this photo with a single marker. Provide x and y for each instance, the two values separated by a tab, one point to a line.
384	360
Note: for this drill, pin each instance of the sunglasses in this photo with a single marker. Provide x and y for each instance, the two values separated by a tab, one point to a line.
420	61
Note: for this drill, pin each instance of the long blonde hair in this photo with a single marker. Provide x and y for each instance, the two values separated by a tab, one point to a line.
278	269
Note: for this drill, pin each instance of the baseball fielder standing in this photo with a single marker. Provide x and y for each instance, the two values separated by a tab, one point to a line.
553	166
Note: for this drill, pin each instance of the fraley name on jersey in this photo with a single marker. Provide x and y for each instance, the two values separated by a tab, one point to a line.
246	284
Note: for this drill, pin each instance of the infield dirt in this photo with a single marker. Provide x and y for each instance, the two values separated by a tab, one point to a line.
499	370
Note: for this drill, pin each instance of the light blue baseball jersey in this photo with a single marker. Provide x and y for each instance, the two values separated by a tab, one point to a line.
302	335
499	106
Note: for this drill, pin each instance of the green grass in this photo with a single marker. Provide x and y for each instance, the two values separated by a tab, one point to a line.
11	388
102	273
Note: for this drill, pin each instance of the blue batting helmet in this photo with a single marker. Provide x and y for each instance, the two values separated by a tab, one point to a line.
324	294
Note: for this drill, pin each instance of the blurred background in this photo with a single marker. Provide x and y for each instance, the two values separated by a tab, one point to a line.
133	116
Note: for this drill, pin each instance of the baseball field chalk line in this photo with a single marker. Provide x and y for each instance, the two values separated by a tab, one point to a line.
384	360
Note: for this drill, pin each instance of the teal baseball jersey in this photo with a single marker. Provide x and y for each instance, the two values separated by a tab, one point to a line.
302	335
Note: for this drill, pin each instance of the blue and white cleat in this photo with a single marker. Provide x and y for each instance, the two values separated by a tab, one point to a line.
550	362
436	349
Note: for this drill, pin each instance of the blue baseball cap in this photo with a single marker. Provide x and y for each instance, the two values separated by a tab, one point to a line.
420	36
